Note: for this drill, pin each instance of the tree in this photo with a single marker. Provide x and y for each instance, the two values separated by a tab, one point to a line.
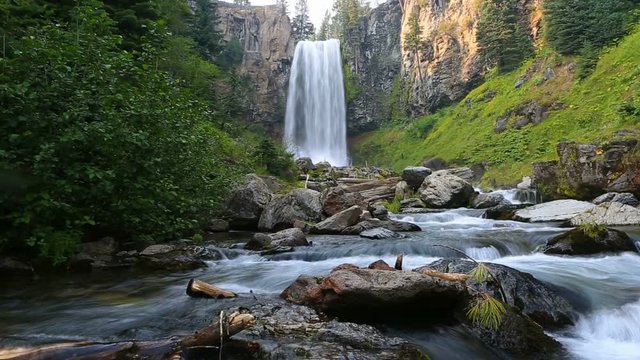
302	26
325	26
205	32
573	23
502	40
412	39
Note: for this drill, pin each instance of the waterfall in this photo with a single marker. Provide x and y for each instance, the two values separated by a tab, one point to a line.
315	124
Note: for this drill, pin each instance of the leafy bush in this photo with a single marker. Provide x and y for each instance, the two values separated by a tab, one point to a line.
102	142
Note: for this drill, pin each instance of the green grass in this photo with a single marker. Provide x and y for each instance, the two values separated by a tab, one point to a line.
592	109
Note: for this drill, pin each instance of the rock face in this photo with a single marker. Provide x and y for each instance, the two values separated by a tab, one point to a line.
559	210
581	242
608	214
522	290
585	171
246	204
266	37
448	65
283	211
441	190
376	64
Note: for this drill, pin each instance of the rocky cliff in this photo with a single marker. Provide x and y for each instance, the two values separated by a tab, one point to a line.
376	64
447	65
265	34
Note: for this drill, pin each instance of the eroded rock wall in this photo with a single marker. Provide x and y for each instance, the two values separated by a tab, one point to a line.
447	65
266	36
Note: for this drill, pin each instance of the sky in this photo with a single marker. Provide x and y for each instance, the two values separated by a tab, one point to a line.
317	8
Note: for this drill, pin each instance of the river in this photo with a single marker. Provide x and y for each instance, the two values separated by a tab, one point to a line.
127	305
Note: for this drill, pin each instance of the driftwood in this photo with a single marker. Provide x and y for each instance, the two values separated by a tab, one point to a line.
444	276
201	289
168	349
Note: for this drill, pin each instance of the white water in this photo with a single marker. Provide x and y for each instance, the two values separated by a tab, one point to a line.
315	124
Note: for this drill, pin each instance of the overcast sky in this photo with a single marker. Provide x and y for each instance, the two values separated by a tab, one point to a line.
317	8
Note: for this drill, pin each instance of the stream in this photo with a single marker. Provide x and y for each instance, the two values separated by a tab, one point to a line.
124	305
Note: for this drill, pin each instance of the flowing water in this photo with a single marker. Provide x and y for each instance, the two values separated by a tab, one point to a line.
315	124
122	306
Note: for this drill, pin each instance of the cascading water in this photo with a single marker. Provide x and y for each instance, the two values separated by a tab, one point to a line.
315	124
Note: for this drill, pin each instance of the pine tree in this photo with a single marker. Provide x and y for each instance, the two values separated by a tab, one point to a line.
502	40
412	39
325	27
303	28
205	32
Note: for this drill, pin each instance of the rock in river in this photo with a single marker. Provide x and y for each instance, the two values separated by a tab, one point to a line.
559	210
283	211
442	190
581	241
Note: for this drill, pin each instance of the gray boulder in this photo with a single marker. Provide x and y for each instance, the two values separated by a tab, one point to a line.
465	173
525	184
608	214
412	203
623	198
393	225
282	239
488	200
403	190
338	222
381	233
378	211
442	190
559	210
582	241
245	204
415	175
528	294
283	211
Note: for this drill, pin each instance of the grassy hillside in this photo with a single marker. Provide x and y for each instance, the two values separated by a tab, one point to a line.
592	109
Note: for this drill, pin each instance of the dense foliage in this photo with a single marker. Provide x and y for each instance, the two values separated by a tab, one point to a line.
113	114
502	40
573	23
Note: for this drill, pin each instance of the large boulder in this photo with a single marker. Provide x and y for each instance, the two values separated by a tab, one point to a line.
285	238
339	198
175	256
245	205
338	222
608	214
465	173
393	225
415	175
488	200
531	296
589	240
94	255
623	198
382	295
559	210
287	331
283	211
442	190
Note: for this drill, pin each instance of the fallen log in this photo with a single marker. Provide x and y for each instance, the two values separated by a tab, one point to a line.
200	289
353	180
210	336
443	276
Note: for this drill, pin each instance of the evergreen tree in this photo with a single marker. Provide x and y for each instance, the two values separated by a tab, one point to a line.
284	6
205	32
325	27
302	26
502	40
412	39
573	23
